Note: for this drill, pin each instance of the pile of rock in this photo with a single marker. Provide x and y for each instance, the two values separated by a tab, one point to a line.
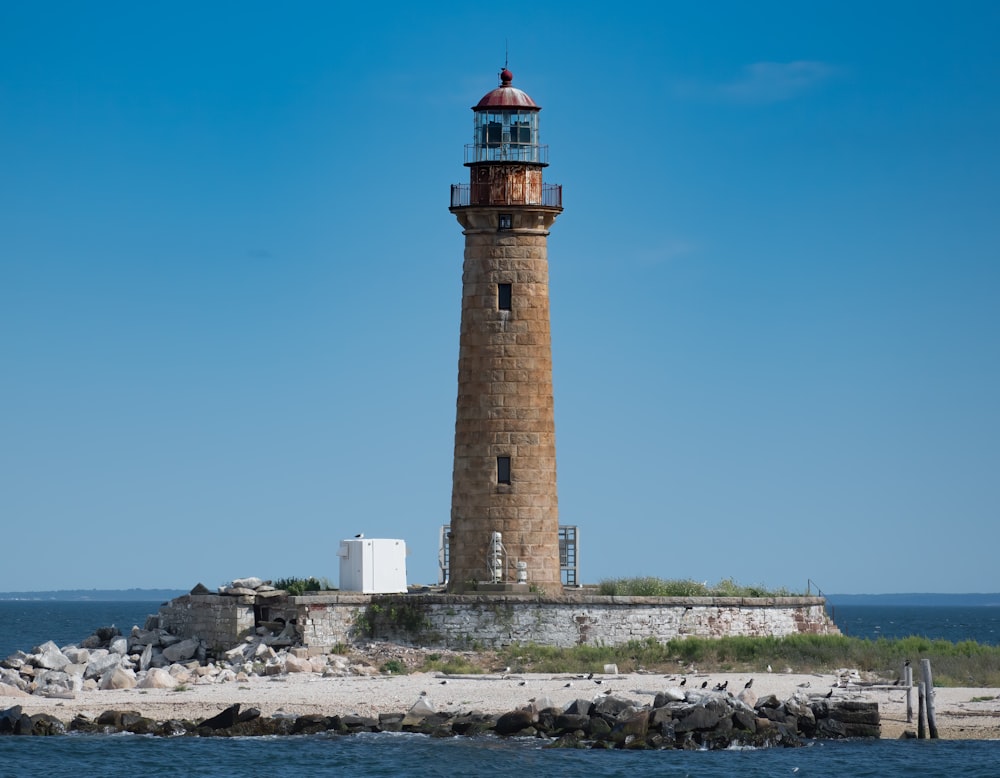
152	659
691	720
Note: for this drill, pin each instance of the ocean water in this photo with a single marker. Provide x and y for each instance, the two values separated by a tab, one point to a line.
937	622
27	624
418	755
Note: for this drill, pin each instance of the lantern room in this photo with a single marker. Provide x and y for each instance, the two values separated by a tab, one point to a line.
506	127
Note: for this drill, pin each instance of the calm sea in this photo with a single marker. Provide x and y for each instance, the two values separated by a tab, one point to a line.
26	624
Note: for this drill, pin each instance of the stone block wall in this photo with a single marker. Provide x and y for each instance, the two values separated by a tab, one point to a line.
220	620
490	621
505	402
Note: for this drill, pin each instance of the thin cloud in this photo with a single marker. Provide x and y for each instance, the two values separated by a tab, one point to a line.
766	82
773	82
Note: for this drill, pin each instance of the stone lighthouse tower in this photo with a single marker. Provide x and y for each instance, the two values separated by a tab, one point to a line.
504	508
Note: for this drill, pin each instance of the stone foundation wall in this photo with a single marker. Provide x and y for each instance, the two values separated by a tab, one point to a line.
220	620
489	621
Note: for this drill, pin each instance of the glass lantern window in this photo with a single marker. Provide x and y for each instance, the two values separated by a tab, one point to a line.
507	135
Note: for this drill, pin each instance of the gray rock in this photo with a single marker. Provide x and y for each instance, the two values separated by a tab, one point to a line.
117	678
50	657
247	583
118	645
178	652
77	655
99	664
147	657
157	678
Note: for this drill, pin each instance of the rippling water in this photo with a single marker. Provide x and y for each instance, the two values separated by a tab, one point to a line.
396	754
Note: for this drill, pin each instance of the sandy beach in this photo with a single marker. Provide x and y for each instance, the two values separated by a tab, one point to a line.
962	713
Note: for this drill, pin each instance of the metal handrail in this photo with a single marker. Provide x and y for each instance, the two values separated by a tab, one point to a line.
550	196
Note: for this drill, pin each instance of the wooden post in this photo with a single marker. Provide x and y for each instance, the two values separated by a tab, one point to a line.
921	732
908	680
925	669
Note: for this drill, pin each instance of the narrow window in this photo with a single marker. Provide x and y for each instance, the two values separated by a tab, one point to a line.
503	470
506	221
503	297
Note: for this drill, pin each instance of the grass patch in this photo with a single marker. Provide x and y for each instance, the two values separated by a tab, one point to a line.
649	586
954	664
454	665
393	667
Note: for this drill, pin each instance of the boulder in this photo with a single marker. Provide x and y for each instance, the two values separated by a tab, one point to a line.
118	645
99	664
513	722
670	694
50	657
294	664
247	583
157	678
223	720
185	649
77	655
117	678
238	591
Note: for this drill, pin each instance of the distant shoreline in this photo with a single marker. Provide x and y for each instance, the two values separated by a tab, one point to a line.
927	599
93	595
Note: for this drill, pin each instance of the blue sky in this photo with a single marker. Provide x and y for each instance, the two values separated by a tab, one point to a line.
230	286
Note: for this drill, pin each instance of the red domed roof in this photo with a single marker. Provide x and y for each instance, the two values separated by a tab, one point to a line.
506	96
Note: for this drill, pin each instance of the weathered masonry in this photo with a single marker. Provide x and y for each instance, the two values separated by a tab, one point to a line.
504	508
322	621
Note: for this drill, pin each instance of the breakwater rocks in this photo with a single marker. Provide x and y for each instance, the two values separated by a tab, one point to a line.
676	719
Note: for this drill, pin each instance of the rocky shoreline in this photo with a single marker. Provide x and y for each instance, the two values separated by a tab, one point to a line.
150	682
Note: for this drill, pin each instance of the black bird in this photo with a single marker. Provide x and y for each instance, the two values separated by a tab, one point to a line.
748	684
829	693
590	676
683	681
722	687
704	684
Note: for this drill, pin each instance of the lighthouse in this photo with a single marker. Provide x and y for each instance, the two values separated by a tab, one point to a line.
504	530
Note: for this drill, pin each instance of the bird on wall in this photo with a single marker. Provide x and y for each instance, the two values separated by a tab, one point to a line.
360	535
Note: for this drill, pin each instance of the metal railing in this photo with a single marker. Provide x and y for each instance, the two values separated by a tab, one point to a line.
463	195
506	152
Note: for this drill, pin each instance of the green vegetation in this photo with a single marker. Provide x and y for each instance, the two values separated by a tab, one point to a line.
954	664
299	586
393	667
659	587
453	665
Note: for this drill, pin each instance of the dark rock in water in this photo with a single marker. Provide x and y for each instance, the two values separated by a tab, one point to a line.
171	728
632	729
474	724
223	720
599	728
81	723
391	722
571	722
138	725
310	724
248	714
44	724
610	708
7	719
567	741
113	718
700	717
514	722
